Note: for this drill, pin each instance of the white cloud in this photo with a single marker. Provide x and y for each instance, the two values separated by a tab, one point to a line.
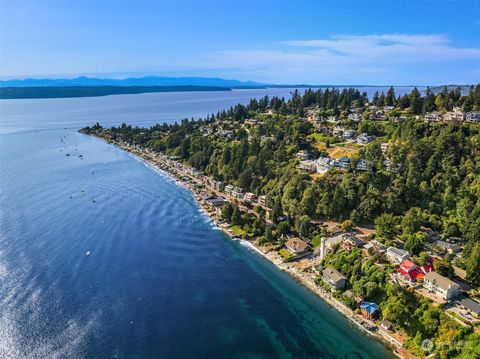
366	58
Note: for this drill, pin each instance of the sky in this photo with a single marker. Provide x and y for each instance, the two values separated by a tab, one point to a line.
382	42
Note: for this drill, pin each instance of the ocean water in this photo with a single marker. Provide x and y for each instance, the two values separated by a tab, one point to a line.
158	281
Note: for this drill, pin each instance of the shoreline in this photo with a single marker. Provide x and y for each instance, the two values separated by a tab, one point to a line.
305	279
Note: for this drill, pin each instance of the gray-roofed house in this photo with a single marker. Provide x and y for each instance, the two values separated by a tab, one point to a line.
441	286
334	278
447	247
472	306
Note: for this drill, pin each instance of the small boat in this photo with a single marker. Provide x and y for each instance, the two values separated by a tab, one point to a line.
94	200
88	253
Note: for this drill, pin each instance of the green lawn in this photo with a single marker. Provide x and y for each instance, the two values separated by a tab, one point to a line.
283	252
316	241
237	230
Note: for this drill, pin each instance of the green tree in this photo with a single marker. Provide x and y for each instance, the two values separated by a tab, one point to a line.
444	267
386	226
412	221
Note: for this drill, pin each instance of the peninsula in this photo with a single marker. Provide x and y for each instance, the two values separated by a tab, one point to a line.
374	204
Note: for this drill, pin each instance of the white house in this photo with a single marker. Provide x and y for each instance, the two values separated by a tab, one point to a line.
249	197
472	117
355	117
440	286
228	189
433	116
334	278
347	134
342	163
307	165
363	165
384	147
324	164
453	116
364	138
262	200
237	192
397	255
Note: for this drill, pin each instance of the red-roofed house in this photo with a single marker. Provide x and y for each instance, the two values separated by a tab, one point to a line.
411	272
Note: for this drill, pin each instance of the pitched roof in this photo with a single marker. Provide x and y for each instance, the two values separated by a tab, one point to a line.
296	244
439	280
369	307
471	305
407	265
333	274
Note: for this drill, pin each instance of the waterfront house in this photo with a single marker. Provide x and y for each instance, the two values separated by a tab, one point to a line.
454	116
296	246
334	278
441	286
370	310
472	117
215	202
433	116
364	138
397	255
471	306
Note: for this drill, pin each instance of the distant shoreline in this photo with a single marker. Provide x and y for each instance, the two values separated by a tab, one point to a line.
15	93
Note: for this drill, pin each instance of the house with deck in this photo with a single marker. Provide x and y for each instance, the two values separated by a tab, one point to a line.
433	116
454	116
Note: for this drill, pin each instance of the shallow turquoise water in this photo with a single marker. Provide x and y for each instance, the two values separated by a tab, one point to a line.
160	281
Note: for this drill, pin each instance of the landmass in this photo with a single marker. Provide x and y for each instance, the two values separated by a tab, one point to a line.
372	204
92	91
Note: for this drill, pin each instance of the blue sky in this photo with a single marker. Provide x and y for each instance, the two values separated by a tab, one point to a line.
316	42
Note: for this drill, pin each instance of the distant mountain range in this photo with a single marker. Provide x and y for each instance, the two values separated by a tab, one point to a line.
139	81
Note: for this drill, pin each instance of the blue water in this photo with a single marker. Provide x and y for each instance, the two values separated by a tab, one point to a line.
160	281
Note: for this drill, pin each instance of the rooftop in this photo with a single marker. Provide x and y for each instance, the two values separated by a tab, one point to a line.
439	280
